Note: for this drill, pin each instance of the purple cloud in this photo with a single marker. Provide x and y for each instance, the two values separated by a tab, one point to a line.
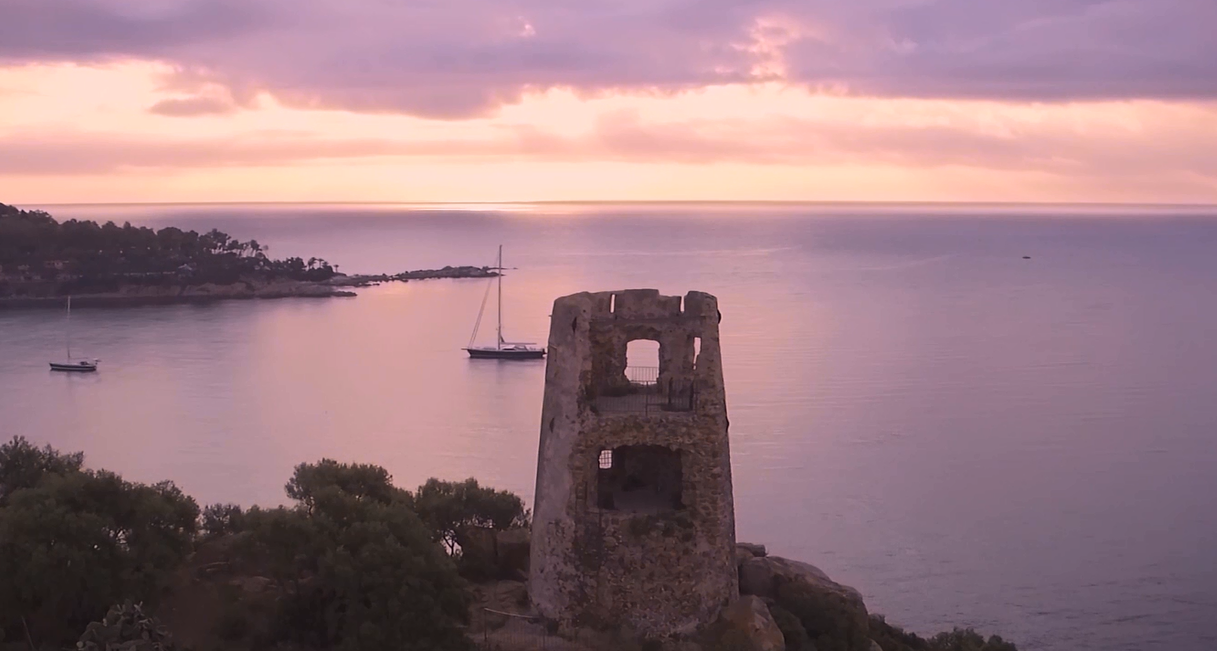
463	58
91	30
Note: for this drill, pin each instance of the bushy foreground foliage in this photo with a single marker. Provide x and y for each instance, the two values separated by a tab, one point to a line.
22	465
73	542
356	562
452	508
360	481
126	627
894	638
357	567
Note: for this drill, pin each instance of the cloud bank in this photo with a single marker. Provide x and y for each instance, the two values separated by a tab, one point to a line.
1053	147
456	59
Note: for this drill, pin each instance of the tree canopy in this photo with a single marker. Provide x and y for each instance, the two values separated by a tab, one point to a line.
95	256
450	508
74	542
23	465
359	481
356	565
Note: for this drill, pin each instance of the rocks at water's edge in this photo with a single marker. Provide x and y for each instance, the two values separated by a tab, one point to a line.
753	549
365	280
763	576
749	622
767	586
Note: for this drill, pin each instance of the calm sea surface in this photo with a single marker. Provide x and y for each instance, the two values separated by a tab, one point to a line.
1028	447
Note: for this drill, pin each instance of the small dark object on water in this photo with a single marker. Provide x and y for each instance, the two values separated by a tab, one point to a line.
1026	257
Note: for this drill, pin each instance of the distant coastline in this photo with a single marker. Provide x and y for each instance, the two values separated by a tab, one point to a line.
337	286
43	261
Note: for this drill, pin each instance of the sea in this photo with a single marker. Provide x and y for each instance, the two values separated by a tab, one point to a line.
991	416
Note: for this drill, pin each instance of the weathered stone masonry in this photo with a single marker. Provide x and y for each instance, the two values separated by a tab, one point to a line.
634	523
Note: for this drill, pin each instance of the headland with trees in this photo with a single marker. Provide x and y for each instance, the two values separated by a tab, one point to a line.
43	260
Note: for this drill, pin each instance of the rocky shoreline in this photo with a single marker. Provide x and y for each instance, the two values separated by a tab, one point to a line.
364	280
137	294
783	605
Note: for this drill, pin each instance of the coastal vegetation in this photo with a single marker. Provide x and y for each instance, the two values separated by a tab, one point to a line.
84	256
353	563
42	260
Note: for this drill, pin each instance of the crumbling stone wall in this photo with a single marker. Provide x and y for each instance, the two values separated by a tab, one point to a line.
658	570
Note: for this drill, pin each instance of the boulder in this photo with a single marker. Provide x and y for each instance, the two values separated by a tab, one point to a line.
753	548
761	577
831	615
756	577
749	620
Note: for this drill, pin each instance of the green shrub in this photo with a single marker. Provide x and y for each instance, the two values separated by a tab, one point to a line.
360	481
78	541
221	520
359	574
449	508
968	640
23	465
126	627
893	638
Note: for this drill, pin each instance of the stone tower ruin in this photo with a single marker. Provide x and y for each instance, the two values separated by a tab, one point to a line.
634	522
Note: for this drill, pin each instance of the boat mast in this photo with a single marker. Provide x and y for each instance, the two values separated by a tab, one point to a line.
67	329
500	310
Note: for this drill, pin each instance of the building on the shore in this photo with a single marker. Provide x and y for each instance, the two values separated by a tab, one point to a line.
634	521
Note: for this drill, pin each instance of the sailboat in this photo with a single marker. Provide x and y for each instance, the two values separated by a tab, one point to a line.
502	349
77	366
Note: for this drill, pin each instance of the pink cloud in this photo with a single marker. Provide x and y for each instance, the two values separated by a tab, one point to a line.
464	58
192	106
623	137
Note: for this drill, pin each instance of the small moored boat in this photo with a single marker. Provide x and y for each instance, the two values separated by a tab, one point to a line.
69	364
79	366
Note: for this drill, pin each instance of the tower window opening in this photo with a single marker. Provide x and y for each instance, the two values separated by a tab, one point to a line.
642	362
606	459
645	479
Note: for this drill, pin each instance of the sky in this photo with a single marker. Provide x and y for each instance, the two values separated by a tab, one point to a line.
556	100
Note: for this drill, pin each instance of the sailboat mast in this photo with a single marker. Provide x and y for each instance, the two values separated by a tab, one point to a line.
500	310
67	329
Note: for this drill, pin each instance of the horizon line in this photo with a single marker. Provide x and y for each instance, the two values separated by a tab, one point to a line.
621	202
